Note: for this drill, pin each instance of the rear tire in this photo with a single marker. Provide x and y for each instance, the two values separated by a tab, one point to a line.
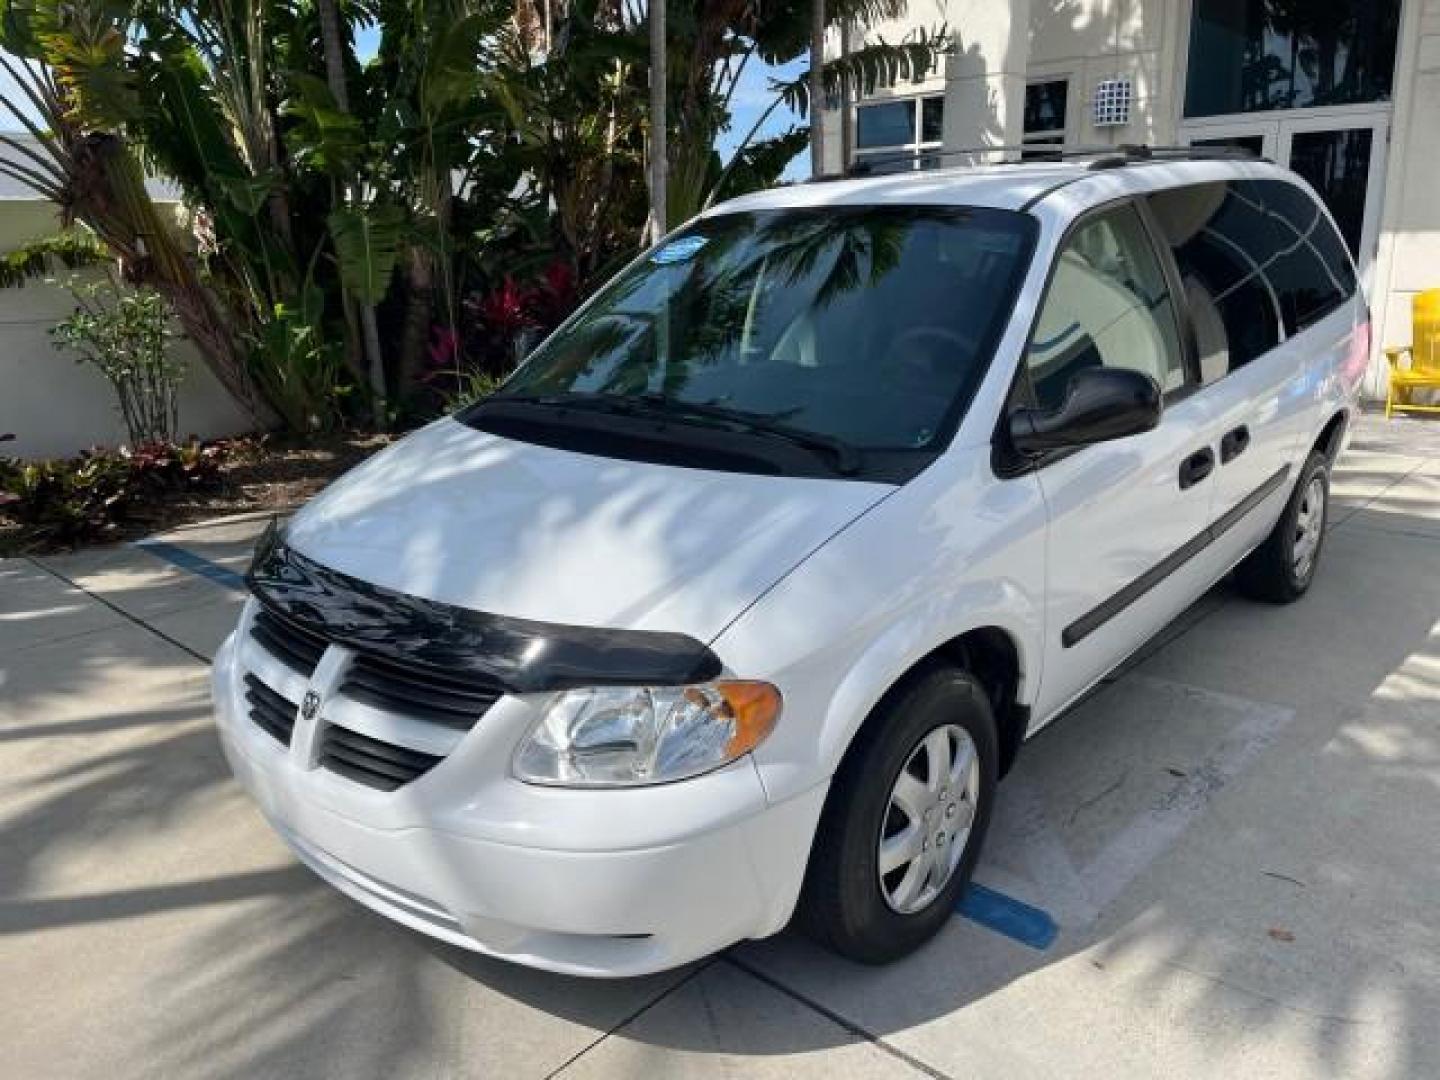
941	716
1281	569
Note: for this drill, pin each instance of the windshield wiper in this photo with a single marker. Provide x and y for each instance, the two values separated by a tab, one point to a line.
846	456
657	406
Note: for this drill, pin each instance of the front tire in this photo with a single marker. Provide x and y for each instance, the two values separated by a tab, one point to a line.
1281	569
905	819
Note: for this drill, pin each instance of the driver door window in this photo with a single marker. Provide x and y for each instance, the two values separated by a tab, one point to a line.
1108	305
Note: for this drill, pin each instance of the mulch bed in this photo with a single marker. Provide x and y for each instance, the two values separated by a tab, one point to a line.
268	473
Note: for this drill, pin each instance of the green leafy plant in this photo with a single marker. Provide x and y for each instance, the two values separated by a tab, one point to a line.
459	388
367	244
125	335
72	85
84	499
66	502
355	171
162	468
38	260
298	368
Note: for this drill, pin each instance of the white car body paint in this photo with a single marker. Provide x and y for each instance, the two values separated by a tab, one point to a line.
491	524
830	589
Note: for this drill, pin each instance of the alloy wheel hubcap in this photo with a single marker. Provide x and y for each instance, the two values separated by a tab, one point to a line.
928	819
1309	527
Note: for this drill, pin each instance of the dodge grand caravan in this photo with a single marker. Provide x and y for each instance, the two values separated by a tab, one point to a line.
739	598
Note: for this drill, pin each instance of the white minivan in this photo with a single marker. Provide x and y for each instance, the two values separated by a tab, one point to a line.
739	598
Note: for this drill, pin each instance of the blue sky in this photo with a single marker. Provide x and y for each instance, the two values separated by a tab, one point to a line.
751	98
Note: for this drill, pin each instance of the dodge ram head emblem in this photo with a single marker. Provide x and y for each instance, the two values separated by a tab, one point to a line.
310	707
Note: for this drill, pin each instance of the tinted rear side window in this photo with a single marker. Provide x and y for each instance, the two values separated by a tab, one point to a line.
1222	240
1312	273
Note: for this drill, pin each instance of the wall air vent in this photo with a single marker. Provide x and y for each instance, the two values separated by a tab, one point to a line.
1110	107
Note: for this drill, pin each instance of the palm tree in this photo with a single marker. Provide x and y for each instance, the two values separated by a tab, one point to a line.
659	124
333	45
73	95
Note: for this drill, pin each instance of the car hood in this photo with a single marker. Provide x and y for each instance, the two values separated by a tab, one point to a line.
483	522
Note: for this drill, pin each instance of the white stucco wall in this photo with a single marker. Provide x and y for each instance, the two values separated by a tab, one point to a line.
1095	40
1409	255
54	406
1004	43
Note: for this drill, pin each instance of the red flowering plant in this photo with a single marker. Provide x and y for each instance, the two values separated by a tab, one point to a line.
192	465
556	295
507	321
505	313
498	329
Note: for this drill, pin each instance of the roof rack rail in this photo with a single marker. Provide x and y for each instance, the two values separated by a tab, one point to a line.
1138	153
1104	157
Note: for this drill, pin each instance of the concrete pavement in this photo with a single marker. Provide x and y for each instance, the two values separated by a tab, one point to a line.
1236	838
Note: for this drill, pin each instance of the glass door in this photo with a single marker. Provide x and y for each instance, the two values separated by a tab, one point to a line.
1345	164
1341	154
1260	137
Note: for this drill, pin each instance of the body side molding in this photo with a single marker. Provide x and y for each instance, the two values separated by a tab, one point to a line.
1103	612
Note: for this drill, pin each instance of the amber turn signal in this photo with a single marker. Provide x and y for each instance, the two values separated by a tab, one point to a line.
755	707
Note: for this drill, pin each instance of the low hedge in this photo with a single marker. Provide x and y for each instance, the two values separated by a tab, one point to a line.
69	501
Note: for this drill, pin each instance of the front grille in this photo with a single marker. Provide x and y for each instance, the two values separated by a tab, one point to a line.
271	712
418	693
424	693
292	645
369	761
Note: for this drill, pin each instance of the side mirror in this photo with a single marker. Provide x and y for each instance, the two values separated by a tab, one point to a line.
1100	404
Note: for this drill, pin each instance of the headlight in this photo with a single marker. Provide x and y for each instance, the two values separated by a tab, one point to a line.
623	736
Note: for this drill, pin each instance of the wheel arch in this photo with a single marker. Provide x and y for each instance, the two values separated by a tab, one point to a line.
996	656
1332	435
992	655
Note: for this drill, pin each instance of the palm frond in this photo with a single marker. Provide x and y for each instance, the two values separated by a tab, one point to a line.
782	30
33	182
43	165
867	69
760	164
367	246
72	249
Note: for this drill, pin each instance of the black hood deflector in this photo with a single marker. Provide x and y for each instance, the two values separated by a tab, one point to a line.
520	655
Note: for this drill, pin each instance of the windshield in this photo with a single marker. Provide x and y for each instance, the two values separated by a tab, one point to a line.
865	327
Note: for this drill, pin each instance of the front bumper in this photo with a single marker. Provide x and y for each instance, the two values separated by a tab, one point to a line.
599	883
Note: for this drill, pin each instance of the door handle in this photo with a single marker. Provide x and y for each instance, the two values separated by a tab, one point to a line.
1233	444
1196	467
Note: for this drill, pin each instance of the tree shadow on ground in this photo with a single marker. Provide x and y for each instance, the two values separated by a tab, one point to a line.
143	900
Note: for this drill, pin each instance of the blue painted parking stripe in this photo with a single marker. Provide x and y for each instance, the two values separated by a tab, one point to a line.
195	564
1006	915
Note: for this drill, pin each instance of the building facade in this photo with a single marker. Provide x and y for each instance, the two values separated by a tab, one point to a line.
1345	92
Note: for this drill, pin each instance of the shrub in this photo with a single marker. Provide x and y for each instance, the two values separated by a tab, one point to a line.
500	327
458	389
299	371
503	325
125	334
162	468
83	499
69	501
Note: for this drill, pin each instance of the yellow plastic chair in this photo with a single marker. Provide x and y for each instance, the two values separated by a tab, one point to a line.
1423	369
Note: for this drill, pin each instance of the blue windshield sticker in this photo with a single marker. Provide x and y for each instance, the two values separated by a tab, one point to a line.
679	251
